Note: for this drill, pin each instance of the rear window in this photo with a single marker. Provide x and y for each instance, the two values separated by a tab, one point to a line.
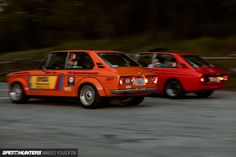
195	61
118	60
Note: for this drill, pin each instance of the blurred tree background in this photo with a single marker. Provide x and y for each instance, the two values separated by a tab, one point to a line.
37	24
29	29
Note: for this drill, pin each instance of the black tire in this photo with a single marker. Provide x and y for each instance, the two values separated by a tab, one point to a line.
204	94
136	100
173	89
17	94
89	97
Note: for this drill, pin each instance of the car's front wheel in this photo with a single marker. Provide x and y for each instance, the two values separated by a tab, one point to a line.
204	94
89	97
174	89
17	94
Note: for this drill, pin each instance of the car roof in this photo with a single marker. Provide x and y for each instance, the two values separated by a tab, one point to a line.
95	51
177	53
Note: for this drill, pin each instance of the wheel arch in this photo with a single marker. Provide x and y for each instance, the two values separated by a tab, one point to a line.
17	94
22	82
93	82
172	79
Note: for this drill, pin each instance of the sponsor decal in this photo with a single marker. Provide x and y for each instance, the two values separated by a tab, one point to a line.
67	89
44	82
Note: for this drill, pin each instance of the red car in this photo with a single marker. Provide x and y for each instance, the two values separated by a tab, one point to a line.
181	73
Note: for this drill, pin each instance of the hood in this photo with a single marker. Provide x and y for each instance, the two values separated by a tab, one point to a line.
210	71
127	71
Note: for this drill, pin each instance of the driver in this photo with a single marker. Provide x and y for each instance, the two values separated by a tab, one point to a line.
73	62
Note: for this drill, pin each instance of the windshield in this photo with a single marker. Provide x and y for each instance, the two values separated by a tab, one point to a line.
118	60
196	61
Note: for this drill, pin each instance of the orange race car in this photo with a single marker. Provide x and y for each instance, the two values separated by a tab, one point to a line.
90	75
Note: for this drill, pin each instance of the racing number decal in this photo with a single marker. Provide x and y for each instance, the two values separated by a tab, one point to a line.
44	82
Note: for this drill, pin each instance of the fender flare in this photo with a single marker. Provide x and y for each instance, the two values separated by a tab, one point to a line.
21	81
93	81
173	79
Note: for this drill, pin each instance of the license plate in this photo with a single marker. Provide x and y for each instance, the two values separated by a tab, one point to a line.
213	79
139	81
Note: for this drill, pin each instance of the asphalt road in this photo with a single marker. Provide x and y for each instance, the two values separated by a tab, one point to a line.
159	127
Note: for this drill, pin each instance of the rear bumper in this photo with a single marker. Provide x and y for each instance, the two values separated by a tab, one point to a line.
135	91
207	86
212	87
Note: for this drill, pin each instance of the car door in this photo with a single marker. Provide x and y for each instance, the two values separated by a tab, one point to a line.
79	66
48	81
165	66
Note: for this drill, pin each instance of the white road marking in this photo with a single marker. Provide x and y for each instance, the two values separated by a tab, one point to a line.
4	98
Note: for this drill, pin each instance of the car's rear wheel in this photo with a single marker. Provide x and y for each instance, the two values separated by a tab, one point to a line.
17	94
204	94
89	97
174	89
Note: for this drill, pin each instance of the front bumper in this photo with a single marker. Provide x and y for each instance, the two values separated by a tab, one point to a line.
135	91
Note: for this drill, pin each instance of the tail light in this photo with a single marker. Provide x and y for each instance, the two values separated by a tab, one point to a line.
203	79
206	78
151	79
154	79
146	80
126	80
225	78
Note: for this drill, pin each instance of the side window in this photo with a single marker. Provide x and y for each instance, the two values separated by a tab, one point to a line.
145	60
164	61
80	61
56	61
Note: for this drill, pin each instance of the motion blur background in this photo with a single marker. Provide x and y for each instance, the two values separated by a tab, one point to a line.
30	29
